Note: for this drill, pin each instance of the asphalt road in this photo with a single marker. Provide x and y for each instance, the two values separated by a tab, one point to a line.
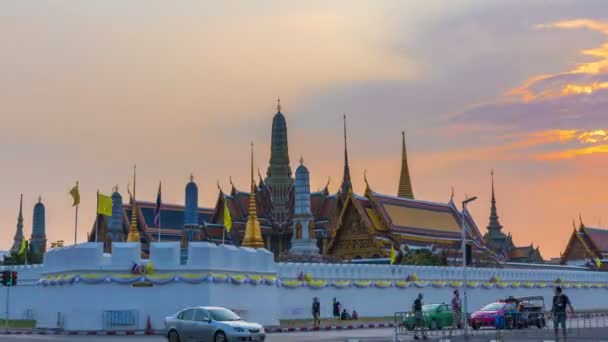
369	335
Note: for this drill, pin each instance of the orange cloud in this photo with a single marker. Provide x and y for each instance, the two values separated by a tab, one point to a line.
569	154
599	65
571	89
593	137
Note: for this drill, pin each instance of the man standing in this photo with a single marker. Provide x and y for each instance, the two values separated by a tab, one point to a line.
316	312
457	309
418	317
560	302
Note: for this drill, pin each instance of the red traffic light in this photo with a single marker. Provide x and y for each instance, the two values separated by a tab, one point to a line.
14	278
5	278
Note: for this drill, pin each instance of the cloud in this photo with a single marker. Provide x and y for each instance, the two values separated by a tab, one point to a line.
554	116
569	154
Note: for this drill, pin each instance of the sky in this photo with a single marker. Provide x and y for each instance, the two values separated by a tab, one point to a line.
88	89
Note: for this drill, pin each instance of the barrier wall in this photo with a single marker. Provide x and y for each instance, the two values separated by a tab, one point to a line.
400	272
79	283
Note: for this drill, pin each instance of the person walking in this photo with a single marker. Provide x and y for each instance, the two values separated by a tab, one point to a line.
560	303
316	312
418	317
457	308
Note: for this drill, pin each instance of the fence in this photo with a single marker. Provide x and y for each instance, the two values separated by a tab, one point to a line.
504	327
120	320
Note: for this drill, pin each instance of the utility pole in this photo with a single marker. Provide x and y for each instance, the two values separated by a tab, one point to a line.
464	266
8	292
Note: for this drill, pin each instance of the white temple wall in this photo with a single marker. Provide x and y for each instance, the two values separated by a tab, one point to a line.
81	305
400	272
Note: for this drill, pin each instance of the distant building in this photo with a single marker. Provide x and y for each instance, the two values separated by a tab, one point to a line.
503	244
586	246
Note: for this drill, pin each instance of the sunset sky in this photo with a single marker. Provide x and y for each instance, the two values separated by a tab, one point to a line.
88	88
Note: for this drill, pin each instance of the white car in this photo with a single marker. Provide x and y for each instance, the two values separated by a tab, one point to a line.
212	324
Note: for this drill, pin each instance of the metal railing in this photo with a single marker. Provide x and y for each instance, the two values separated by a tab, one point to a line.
507	327
120	319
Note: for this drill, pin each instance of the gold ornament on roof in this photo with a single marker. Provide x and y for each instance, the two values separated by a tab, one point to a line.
133	235
253	234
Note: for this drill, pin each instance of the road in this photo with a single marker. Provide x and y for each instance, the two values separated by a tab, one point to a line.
363	335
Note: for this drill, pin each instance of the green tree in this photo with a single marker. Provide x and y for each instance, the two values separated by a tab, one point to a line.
14	258
424	257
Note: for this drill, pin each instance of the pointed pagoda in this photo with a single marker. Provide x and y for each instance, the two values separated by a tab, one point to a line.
405	183
346	181
19	232
253	234
133	235
278	174
496	238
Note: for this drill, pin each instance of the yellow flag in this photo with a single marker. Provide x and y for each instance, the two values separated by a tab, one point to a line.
22	247
104	205
393	254
227	218
598	262
75	195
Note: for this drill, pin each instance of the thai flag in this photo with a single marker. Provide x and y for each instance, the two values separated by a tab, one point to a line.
158	205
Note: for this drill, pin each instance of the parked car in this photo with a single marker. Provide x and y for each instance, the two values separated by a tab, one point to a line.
498	315
209	323
436	316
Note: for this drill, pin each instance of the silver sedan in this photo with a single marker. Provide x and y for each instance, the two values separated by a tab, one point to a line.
211	324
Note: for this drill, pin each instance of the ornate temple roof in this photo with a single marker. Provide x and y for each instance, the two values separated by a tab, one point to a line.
599	238
417	222
524	252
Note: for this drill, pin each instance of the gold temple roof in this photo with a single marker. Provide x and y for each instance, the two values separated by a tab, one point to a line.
441	221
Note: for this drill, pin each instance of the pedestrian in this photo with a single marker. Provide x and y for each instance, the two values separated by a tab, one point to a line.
457	308
355	315
316	312
336	308
560	302
419	318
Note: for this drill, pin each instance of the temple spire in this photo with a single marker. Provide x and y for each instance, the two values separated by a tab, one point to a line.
494	224
405	183
278	174
253	234
133	232
346	182
19	232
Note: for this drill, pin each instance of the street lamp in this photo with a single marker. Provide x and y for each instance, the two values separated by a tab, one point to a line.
464	265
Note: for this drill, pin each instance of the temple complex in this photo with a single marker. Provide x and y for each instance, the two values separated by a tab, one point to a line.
586	247
281	214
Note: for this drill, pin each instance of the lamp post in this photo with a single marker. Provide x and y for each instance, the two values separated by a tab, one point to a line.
464	265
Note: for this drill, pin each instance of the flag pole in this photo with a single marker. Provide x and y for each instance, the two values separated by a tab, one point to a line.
97	218
76	226
159	222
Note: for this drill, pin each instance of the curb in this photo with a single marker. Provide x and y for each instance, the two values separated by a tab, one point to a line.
269	330
81	332
275	330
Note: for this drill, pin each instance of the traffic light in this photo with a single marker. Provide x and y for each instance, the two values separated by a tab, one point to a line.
5	278
468	254
14	279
